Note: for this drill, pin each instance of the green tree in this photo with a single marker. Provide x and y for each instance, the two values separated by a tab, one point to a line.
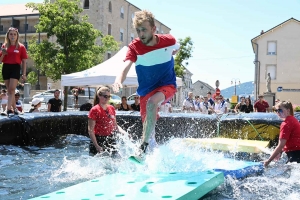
184	53
75	49
32	78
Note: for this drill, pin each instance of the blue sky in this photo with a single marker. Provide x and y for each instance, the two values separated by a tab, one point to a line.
221	31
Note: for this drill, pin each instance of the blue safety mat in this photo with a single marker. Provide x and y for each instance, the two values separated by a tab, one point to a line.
142	187
239	168
190	185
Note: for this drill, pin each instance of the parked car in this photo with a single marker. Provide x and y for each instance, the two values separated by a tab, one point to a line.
130	99
49	94
114	100
82	98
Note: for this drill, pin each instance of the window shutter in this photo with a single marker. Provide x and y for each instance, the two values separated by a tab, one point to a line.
272	70
271	47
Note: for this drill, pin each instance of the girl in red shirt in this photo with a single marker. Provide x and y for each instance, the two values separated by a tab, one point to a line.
289	138
102	124
12	55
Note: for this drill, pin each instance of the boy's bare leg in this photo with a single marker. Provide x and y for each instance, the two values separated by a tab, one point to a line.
150	120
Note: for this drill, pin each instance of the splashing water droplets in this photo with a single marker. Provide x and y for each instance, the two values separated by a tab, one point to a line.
67	163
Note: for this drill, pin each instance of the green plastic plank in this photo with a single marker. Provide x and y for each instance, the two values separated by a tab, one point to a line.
147	187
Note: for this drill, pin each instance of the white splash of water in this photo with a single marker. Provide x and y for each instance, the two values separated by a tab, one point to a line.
176	156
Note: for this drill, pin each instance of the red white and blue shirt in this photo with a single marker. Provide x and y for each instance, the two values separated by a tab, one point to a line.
154	65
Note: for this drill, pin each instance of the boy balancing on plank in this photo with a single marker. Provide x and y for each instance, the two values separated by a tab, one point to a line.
153	57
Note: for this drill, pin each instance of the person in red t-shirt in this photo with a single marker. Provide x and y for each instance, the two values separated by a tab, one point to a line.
102	124
261	105
13	54
289	138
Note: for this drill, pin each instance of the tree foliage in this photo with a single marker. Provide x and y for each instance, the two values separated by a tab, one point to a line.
32	78
75	38
184	53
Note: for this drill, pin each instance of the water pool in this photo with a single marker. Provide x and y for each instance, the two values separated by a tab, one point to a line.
33	171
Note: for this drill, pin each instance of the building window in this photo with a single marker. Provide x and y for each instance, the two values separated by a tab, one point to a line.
131	36
121	36
162	32
109	29
1	27
272	48
109	7
157	30
86	4
272	70
132	16
108	55
122	12
1	44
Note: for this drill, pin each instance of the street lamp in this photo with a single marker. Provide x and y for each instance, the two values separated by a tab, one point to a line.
235	80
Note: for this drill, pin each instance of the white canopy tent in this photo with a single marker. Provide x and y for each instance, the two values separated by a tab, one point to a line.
104	74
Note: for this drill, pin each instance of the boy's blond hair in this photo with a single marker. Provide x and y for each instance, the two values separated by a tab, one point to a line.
142	16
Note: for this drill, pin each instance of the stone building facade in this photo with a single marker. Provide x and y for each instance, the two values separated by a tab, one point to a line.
110	17
277	52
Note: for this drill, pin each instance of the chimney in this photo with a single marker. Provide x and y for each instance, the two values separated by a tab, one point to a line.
262	32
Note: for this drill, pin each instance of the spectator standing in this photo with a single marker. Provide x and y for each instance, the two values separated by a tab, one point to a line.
54	104
102	124
86	107
19	105
223	105
197	102
13	55
261	105
289	136
210	100
247	107
35	105
136	105
276	102
205	106
220	106
188	103
4	98
75	94
124	106
239	105
166	107
216	106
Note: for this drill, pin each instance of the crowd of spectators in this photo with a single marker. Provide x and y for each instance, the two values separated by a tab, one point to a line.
219	105
198	104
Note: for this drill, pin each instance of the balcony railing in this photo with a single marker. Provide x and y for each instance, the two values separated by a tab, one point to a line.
21	30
